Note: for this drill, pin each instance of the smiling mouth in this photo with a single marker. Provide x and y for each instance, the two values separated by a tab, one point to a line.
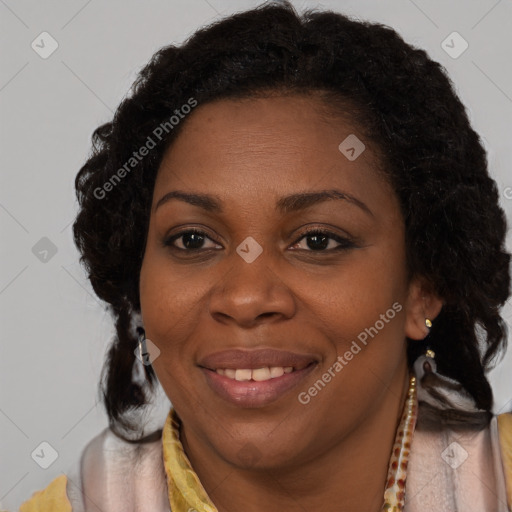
255	378
241	387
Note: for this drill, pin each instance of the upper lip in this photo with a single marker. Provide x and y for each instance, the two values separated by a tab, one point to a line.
251	359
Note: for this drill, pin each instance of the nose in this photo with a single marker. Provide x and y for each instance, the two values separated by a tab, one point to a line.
249	294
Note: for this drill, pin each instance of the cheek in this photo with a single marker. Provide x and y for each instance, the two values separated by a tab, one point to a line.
369	284
164	305
361	311
173	304
164	300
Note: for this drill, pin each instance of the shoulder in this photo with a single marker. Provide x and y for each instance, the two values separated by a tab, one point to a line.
112	474
457	458
53	498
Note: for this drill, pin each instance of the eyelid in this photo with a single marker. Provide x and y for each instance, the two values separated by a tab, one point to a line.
325	230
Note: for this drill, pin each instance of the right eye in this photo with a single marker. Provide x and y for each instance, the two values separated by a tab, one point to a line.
192	240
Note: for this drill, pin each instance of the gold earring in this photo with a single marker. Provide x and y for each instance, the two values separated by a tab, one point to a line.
430	353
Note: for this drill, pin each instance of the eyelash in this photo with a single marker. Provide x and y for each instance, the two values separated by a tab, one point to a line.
345	243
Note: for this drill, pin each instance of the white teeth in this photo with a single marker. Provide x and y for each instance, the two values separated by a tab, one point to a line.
261	374
276	371
229	372
243	375
258	374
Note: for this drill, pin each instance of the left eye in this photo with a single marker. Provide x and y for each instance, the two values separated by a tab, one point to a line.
320	240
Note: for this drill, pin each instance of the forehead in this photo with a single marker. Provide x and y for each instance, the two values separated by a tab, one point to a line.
278	143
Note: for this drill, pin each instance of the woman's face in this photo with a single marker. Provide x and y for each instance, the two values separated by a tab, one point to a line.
337	304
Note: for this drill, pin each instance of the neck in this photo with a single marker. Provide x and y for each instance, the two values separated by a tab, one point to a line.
351	475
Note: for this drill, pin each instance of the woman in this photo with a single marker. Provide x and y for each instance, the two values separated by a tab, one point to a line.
293	223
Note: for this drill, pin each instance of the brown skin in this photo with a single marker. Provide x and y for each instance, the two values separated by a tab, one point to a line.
331	454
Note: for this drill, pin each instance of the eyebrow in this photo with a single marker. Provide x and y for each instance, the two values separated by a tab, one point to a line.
287	204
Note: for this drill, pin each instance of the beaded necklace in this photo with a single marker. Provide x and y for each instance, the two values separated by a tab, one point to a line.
394	494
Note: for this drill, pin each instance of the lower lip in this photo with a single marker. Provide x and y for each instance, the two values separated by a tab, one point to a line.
252	394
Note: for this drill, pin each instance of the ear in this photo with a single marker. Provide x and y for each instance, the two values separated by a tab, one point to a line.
422	303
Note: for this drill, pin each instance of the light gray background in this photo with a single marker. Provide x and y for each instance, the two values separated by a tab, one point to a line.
54	331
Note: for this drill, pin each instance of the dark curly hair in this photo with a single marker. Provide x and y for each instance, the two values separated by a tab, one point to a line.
404	103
